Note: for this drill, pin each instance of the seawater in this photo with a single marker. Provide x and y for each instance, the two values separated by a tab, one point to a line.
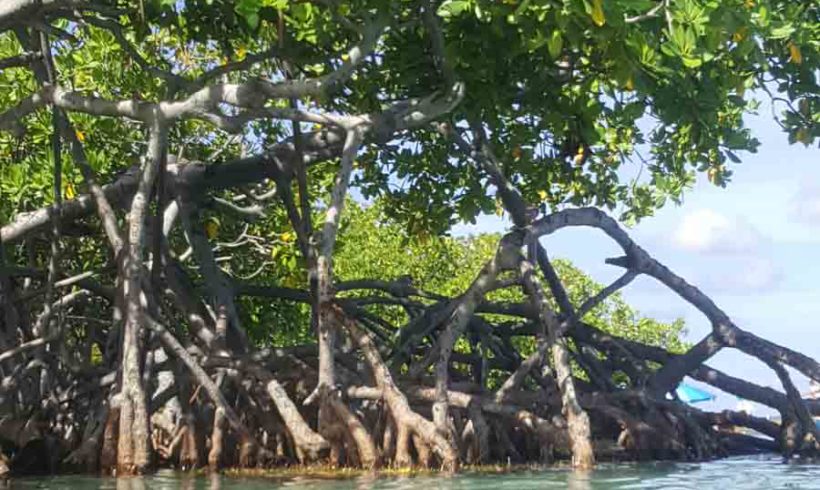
763	472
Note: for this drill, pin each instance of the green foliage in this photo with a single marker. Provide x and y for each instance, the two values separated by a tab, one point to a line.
374	248
569	91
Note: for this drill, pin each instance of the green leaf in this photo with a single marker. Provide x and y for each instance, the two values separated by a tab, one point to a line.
784	31
555	44
249	10
453	8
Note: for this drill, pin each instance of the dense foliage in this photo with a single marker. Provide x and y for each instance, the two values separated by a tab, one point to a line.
570	91
445	266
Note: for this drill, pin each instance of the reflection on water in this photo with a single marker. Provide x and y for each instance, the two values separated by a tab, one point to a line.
752	473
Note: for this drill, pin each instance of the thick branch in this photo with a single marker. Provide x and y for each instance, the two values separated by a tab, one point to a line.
24	59
281	159
21	11
505	258
640	261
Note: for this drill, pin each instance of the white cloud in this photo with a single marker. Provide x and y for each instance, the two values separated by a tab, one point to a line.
806	204
708	231
748	275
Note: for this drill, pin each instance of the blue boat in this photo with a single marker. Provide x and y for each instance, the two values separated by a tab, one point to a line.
689	394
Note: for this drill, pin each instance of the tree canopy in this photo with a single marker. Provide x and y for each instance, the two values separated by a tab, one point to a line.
567	91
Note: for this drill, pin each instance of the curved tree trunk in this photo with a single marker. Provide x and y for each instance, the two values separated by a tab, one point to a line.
465	306
310	444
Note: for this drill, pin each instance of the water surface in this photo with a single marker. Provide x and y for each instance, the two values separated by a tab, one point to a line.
765	472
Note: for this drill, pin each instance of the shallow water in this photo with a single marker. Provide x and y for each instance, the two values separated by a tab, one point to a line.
749	473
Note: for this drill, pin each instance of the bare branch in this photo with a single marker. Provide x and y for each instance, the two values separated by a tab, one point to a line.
316	146
73	101
17	10
443	65
23	59
42	319
651	14
724	332
175	348
334	211
36	12
417	112
233	66
248	213
605	293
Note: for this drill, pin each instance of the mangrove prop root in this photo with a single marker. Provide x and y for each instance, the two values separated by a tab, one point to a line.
511	424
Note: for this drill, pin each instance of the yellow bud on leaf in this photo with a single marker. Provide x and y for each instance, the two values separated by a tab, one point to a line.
795	56
211	229
69	191
579	157
739	35
711	174
803	136
597	13
499	208
96	355
80	135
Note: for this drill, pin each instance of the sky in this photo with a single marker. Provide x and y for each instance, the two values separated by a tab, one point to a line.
752	247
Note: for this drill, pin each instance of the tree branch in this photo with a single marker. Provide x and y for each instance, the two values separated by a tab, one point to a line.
23	59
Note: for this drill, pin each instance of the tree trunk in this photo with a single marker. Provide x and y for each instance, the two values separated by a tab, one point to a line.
310	444
189	448
580	435
800	434
175	348
216	282
108	452
504	259
330	405
133	446
404	417
217	440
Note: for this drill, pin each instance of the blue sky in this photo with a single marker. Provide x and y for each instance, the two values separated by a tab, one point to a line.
753	247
